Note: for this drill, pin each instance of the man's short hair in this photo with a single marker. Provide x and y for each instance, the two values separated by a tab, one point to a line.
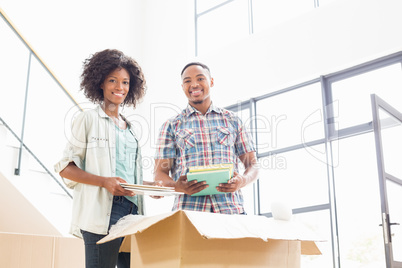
196	63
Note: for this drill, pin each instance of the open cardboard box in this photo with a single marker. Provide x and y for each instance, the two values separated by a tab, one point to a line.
200	239
40	251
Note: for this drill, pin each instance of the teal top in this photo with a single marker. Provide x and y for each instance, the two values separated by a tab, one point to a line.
126	156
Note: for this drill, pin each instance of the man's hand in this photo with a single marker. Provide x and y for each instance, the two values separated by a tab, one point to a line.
189	187
239	181
234	184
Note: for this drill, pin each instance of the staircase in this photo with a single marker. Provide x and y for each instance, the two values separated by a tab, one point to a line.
35	213
32	202
35	206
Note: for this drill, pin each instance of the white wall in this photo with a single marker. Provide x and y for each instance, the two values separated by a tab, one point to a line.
64	33
159	34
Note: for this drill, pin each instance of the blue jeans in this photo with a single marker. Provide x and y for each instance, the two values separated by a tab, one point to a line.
107	255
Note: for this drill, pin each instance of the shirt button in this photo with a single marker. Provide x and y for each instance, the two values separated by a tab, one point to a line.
108	214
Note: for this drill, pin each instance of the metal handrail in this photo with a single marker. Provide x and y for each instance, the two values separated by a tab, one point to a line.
52	75
34	156
29	47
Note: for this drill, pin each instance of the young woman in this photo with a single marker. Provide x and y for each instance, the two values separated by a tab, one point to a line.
102	153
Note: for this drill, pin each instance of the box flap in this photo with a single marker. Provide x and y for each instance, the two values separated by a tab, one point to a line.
222	226
132	224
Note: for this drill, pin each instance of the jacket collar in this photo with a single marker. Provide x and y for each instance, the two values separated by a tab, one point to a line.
102	114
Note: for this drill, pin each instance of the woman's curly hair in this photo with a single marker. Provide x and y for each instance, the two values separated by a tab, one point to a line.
100	65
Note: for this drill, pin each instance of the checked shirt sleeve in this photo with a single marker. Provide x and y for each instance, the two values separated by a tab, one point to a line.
165	145
244	142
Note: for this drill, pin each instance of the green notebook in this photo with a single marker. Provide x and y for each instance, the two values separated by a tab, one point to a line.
229	166
213	179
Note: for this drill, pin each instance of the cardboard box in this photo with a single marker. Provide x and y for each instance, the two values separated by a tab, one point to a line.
39	251
199	239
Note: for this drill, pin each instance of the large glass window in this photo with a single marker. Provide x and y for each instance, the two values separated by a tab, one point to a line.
42	134
33	96
391	133
334	192
204	5
222	26
358	203
291	118
322	3
394	193
221	22
296	178
337	199
13	75
352	95
270	13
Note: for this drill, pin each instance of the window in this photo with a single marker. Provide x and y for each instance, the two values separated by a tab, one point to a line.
221	26
10	83
328	177
297	178
339	199
291	118
270	13
219	22
358	203
352	95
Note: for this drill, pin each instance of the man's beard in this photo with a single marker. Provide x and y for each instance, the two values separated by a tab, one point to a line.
198	102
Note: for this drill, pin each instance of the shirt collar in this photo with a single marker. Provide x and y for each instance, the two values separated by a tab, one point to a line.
212	108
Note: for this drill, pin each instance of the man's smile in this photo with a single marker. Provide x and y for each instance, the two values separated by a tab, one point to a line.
195	92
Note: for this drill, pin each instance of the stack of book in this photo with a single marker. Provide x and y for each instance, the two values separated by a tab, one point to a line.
150	189
213	175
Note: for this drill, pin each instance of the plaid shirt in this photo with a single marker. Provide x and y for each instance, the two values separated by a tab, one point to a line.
194	139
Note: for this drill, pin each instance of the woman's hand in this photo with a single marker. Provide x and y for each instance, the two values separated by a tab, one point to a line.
112	184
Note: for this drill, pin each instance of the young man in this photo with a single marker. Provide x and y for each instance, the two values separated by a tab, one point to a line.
203	134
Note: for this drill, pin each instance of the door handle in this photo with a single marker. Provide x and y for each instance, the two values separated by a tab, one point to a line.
391	223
